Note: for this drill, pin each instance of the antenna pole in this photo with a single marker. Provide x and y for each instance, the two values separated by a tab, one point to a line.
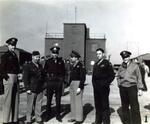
46	28
75	14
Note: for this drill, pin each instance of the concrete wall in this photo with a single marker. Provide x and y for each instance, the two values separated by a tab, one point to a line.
91	46
74	39
49	42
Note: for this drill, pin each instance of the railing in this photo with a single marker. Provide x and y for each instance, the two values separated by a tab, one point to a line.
97	36
61	35
54	35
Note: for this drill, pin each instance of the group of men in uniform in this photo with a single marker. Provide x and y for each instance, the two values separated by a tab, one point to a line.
129	83
36	78
53	73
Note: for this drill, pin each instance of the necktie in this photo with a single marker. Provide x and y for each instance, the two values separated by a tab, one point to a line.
124	65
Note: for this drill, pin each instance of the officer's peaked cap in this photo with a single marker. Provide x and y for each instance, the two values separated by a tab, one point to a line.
55	49
35	53
75	54
12	41
125	54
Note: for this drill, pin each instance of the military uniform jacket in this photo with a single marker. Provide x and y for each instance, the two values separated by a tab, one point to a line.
103	72
129	76
9	64
33	77
55	68
78	73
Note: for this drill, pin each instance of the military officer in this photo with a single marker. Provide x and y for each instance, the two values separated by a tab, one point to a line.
55	70
77	78
33	77
9	70
129	82
102	77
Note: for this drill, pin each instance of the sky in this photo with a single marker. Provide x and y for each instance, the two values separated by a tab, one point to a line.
126	23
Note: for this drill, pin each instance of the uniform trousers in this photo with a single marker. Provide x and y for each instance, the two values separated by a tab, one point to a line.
101	98
76	101
129	97
34	103
11	99
54	87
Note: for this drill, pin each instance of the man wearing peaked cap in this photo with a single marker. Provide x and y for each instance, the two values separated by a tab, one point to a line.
55	70
12	41
55	49
125	54
130	84
9	70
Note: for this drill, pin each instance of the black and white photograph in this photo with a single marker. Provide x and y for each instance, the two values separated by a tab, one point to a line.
74	62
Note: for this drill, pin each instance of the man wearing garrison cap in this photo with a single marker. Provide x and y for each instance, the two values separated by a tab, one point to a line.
102	77
9	70
130	83
33	77
77	78
55	70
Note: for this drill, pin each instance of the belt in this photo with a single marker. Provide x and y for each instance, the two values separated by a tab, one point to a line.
75	80
52	75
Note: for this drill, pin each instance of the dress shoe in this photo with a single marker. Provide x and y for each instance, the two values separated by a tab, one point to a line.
15	122
21	122
28	123
95	123
46	119
78	122
71	120
39	122
58	118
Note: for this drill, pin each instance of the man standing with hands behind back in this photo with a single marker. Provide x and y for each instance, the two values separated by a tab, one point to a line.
102	77
129	82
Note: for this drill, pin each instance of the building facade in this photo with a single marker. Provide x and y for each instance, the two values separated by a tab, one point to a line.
76	36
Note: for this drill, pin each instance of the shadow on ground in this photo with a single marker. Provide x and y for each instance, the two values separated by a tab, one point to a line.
65	93
65	109
119	111
112	110
147	106
87	108
22	120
